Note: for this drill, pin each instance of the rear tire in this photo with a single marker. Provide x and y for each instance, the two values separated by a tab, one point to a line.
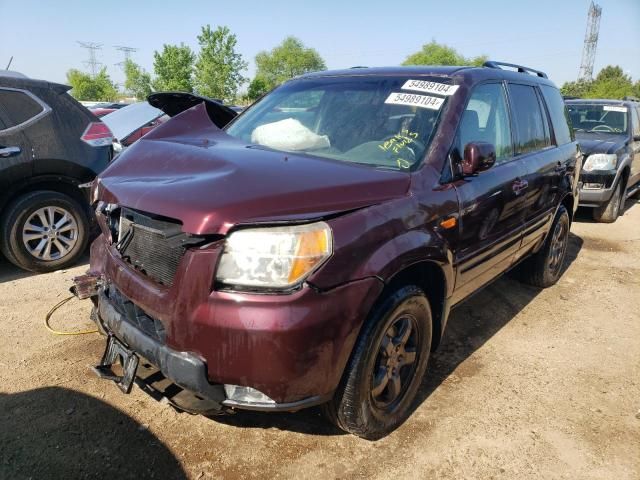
44	231
544	268
610	211
386	368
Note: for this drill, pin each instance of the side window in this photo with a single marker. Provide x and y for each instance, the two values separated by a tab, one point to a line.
486	119
635	121
558	113
18	107
528	119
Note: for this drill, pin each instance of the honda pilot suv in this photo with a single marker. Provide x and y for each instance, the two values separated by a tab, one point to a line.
49	145
309	252
609	136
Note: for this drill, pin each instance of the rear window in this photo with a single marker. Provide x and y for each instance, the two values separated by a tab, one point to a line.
558	113
530	128
18	107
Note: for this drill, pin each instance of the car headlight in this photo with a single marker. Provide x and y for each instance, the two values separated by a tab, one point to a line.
274	257
600	161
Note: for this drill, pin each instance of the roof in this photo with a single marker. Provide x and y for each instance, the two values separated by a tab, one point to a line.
477	73
600	101
12	74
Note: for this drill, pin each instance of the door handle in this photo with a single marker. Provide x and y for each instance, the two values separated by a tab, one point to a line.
519	185
7	152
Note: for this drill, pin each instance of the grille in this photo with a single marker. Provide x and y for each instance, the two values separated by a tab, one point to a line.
152	246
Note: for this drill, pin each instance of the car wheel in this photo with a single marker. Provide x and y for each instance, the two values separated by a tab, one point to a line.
544	268
43	231
387	365
609	212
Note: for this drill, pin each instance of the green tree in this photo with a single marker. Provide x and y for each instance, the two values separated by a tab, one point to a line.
218	69
173	68
98	88
434	53
579	88
257	88
285	61
137	82
611	82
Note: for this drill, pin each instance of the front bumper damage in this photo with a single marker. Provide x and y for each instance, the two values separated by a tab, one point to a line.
290	348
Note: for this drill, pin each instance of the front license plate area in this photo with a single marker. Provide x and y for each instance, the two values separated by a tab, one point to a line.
116	353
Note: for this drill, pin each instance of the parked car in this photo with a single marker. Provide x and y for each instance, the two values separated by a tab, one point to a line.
310	251
609	135
49	144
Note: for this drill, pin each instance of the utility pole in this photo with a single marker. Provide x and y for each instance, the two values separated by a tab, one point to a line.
93	62
590	42
127	54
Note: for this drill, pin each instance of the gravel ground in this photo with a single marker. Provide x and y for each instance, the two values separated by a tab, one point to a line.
526	384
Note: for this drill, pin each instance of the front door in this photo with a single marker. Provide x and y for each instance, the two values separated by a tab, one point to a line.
491	202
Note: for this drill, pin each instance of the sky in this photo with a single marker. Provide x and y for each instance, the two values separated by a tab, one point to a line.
545	34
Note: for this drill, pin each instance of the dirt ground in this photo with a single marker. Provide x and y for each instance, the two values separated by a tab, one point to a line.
526	384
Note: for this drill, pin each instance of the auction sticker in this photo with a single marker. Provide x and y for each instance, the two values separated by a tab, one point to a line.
415	100
430	87
612	108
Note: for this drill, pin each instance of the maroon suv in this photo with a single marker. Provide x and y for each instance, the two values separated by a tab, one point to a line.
311	250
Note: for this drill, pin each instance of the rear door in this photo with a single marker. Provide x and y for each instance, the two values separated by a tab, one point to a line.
18	109
545	163
491	206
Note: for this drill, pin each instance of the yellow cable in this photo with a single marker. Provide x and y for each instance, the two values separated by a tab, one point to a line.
56	332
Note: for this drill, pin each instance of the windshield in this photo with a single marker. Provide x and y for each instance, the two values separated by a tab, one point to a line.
380	121
598	118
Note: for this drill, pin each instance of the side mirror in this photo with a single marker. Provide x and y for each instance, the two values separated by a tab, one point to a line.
636	138
478	157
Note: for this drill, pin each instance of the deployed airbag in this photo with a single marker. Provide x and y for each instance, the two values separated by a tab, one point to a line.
288	134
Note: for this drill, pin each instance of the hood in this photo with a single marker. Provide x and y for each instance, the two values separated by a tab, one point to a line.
599	142
125	121
190	170
174	103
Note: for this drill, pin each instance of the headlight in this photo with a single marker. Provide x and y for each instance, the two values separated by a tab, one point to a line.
274	257
600	161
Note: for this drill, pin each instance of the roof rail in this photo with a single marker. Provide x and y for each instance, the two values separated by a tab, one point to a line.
631	98
519	68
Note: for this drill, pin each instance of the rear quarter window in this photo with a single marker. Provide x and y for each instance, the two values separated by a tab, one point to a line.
18	107
559	114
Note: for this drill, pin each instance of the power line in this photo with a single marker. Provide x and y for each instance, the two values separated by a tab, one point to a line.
92	62
590	42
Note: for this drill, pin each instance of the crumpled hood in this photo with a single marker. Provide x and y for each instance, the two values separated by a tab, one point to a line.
599	143
190	170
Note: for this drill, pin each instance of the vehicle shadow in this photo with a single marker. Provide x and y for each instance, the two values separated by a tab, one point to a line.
470	326
9	272
55	432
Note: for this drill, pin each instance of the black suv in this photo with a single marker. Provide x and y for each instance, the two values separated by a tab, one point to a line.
609	135
49	144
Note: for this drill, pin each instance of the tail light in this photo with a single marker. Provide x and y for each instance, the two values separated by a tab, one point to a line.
97	134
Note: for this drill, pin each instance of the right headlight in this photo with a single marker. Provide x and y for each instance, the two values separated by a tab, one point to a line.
600	161
274	257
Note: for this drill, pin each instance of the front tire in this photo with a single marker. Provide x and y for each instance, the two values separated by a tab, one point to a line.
609	212
544	268
384	373
44	231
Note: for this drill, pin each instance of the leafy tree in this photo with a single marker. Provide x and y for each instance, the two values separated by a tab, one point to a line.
173	68
611	82
98	88
137	82
257	88
285	61
434	53
218	68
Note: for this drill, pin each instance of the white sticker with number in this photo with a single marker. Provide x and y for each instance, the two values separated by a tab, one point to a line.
414	100
430	87
611	108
